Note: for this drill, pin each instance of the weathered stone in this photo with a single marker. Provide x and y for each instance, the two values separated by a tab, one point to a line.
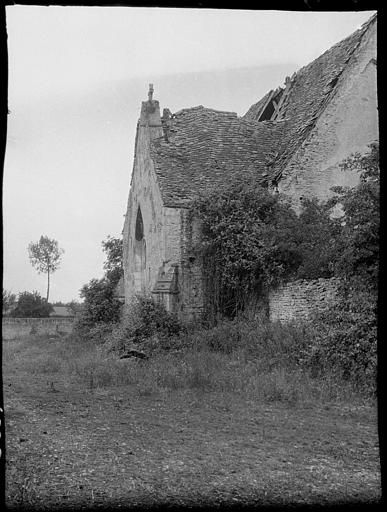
300	299
292	140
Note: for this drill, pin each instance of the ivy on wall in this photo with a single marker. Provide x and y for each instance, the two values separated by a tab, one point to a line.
252	240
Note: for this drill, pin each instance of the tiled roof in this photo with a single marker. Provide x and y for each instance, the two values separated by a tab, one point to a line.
206	148
61	311
310	90
203	149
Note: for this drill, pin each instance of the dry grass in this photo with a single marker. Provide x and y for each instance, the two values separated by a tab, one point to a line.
190	428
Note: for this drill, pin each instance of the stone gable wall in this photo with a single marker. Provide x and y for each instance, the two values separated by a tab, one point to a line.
145	193
21	327
166	237
348	124
300	299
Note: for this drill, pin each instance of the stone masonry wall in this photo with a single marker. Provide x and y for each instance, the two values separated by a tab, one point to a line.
348	124
165	234
300	299
21	327
191	282
159	223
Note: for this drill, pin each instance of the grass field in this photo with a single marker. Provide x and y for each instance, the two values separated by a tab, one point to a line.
87	430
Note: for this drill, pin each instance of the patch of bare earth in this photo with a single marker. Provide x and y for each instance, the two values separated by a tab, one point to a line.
72	448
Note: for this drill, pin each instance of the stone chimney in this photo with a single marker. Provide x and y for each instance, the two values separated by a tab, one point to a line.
150	115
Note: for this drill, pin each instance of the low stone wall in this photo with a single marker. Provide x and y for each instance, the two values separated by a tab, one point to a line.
20	327
300	299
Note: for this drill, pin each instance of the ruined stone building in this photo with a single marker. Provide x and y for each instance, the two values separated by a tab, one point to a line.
292	141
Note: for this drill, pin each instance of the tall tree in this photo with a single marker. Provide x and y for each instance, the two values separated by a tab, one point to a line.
45	256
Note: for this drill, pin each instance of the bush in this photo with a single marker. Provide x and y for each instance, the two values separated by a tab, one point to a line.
359	240
317	237
31	305
345	335
244	245
100	332
144	321
99	307
250	239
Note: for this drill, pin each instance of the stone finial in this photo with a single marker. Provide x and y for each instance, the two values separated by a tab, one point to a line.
150	115
150	92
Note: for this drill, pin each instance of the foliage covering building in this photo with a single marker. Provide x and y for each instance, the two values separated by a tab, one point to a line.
291	141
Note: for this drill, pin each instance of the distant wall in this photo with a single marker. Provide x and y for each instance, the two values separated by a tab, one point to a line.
19	327
300	299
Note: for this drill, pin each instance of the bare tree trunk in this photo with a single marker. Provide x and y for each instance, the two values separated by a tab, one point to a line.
48	284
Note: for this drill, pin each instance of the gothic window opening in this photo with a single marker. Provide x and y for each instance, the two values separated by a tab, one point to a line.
139	254
139	233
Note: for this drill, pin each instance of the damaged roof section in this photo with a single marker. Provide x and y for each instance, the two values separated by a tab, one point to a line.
204	149
307	93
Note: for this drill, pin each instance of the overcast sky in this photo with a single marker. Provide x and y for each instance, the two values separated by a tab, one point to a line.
77	76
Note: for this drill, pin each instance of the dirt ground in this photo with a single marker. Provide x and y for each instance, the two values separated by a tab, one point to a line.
72	448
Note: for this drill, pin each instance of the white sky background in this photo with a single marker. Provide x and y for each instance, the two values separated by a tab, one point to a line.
77	76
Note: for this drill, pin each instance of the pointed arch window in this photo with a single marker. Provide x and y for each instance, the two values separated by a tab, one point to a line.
139	253
139	230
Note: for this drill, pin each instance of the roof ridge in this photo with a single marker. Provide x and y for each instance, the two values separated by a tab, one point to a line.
203	109
358	33
330	90
203	147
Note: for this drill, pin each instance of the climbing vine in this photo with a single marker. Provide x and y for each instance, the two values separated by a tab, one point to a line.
244	246
252	239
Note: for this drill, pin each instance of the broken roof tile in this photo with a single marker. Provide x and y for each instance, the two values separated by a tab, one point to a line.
204	149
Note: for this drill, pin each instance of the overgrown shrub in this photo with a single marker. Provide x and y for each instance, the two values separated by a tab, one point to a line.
144	320
31	305
98	333
251	239
244	245
345	335
360	233
99	307
317	236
